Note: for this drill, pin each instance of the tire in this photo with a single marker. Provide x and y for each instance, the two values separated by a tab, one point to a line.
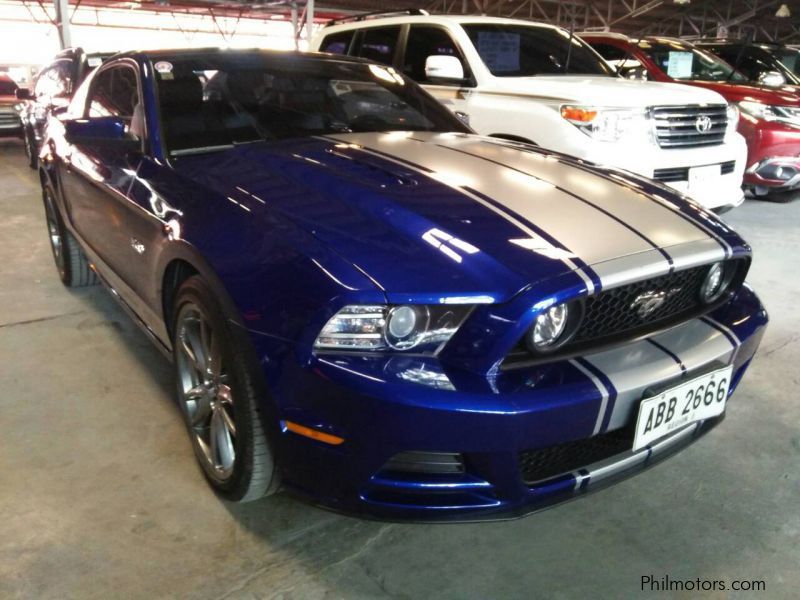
73	267
216	391
31	151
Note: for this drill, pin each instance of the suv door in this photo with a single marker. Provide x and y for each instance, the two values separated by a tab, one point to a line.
423	41
378	44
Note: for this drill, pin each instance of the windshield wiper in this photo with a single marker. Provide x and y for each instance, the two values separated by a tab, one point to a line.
200	150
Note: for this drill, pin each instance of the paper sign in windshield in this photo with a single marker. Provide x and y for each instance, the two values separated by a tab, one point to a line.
680	65
500	51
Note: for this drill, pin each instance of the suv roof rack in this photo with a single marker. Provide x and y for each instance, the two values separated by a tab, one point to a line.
378	15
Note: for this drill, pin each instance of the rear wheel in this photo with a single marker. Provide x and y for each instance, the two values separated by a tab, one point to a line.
216	392
73	267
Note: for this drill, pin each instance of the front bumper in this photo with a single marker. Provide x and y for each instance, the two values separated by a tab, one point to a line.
773	157
385	406
649	160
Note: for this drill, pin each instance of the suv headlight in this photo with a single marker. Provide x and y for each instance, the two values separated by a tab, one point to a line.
733	121
423	328
609	124
767	112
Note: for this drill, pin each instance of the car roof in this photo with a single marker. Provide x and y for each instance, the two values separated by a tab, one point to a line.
431	19
175	53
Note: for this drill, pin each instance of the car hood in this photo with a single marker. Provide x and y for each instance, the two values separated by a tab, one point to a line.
785	95
602	91
457	215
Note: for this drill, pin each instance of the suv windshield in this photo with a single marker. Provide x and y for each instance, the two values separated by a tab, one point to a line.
790	59
681	61
211	102
7	87
528	50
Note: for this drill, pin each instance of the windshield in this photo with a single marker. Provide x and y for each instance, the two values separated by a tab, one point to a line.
681	61
7	87
524	51
211	102
790	59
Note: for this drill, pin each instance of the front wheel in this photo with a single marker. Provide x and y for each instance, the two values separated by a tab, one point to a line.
217	395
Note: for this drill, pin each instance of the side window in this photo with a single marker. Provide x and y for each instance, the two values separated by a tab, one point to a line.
609	52
378	44
337	43
114	93
425	41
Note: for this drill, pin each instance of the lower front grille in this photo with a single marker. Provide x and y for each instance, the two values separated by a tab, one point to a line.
682	173
545	463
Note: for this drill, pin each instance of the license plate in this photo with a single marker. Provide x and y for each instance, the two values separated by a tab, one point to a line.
703	176
696	400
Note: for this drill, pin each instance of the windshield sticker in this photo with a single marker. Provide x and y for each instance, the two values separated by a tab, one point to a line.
499	50
164	69
94	61
680	65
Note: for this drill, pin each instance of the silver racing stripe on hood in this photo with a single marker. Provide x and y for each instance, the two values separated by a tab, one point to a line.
534	240
615	223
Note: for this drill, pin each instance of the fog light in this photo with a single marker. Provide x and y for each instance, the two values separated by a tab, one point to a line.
714	283
549	326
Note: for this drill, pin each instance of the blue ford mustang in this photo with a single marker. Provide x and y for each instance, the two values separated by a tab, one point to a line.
380	310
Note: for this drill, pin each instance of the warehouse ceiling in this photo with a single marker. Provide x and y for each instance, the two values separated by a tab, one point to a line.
751	19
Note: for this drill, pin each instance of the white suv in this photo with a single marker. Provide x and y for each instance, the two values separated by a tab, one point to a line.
537	83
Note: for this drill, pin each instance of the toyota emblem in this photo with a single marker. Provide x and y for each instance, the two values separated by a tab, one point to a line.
702	124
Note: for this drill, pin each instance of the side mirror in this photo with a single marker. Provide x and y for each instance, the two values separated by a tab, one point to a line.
99	131
771	78
23	94
441	67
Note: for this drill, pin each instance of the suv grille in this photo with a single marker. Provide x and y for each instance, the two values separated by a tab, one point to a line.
612	315
685	126
9	118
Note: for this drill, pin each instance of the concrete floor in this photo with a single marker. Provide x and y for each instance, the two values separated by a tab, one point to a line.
100	496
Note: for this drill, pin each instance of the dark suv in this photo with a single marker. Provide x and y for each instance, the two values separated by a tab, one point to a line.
52	92
760	62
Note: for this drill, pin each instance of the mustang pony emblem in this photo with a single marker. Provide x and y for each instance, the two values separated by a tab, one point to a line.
649	302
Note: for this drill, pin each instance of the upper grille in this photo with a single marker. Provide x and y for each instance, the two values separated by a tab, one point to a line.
613	315
609	313
9	118
678	126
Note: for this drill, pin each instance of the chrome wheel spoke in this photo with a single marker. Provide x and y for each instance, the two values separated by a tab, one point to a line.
227	420
202	409
221	442
190	353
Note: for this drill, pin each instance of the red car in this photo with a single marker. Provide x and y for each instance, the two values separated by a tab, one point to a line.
10	123
770	116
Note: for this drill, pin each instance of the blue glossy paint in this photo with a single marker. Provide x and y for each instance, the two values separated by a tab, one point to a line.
289	232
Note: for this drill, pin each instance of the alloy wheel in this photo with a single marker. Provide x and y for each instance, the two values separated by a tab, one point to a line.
205	391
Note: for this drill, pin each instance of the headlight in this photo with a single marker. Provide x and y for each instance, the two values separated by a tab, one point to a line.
609	124
717	280
733	121
767	112
554	326
378	327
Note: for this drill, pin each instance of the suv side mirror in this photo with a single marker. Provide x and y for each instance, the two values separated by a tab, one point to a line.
109	132
771	78
444	68
23	94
